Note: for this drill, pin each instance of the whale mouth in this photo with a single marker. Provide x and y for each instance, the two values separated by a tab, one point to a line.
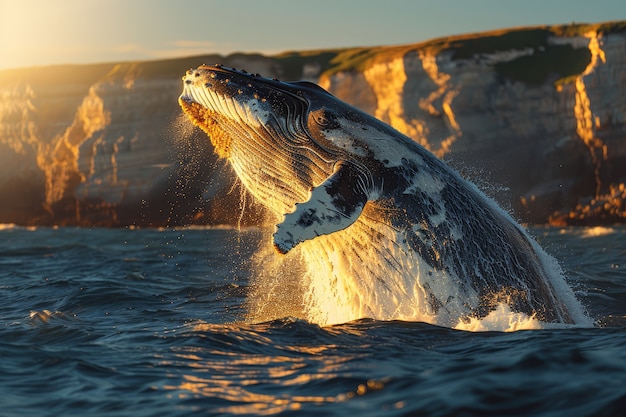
215	101
211	122
237	94
256	124
228	104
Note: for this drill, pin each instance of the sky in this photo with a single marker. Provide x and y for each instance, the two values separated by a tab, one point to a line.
45	32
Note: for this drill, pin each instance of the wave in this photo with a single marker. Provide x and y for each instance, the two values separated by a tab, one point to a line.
13	226
597	231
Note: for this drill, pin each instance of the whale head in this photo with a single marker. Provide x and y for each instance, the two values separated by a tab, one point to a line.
281	138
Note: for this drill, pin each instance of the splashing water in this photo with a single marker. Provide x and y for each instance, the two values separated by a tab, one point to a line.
332	280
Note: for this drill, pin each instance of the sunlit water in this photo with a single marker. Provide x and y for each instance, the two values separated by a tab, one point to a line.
164	323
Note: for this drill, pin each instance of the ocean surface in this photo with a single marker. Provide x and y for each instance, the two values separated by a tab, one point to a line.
106	322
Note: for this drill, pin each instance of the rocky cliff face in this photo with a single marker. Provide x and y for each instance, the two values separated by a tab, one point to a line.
105	145
538	114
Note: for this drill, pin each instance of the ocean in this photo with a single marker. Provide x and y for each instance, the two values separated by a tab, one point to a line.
123	322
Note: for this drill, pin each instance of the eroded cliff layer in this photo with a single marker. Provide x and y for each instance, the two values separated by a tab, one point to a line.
535	116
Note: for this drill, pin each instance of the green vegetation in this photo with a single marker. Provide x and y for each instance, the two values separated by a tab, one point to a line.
174	68
561	62
293	63
329	61
579	29
558	61
466	47
356	59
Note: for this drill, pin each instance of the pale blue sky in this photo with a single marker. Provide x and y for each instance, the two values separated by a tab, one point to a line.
43	32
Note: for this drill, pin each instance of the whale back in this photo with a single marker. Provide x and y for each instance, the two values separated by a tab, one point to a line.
458	232
442	258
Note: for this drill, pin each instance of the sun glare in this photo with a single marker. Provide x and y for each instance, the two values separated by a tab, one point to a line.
42	33
21	43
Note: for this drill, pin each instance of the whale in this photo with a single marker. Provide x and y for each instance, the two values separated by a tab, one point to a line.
389	230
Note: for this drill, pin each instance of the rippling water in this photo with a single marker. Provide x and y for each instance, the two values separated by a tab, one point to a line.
153	323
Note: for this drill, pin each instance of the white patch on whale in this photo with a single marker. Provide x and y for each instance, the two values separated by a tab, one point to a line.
352	136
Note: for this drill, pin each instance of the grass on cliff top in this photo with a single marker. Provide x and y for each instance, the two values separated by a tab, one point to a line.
288	65
466	46
579	29
293	64
329	61
560	62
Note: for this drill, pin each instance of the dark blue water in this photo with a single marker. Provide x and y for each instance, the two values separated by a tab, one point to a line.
152	323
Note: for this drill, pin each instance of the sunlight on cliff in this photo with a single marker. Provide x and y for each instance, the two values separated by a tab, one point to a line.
389	96
59	158
129	73
586	123
18	130
446	93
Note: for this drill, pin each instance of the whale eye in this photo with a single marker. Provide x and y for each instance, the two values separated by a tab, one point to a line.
325	119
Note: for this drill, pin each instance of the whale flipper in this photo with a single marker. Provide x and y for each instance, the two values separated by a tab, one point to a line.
333	205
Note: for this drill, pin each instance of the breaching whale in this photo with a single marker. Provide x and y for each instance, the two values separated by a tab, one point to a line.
391	230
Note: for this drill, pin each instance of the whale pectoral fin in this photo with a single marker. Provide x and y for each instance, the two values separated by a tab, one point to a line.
334	205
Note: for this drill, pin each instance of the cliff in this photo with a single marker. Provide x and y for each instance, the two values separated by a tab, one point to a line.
535	116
